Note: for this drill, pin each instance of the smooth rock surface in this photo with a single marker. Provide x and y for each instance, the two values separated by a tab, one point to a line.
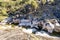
18	34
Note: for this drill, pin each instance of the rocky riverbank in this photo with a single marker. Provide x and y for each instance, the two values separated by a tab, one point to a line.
17	34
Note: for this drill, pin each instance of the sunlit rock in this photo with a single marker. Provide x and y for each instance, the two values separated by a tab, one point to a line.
49	26
29	30
42	33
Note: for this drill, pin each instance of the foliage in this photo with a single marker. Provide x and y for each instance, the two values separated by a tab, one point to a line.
43	1
13	5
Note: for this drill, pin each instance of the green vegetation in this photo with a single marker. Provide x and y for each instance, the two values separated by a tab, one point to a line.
13	5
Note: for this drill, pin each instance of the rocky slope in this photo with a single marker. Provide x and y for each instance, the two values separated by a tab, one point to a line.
18	34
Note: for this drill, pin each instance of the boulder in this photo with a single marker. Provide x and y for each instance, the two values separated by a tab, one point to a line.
57	28
16	20
56	25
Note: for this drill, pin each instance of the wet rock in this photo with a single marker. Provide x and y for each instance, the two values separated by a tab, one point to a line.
25	22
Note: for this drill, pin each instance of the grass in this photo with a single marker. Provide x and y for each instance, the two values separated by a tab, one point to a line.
2	17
